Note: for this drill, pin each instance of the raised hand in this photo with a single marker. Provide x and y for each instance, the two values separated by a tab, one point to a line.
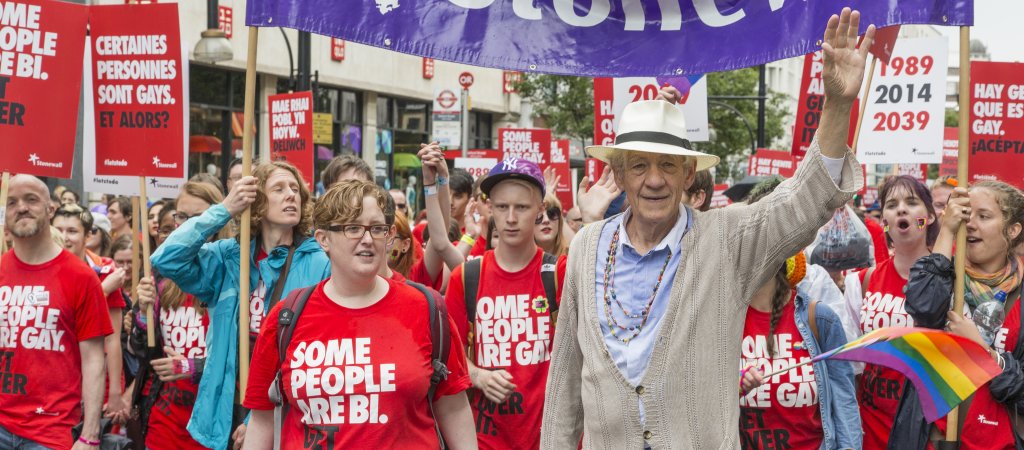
593	202
551	179
433	162
843	61
669	93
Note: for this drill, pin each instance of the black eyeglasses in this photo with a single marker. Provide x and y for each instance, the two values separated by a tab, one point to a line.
356	231
553	213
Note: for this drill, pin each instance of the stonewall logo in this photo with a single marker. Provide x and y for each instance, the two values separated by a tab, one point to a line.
160	165
34	159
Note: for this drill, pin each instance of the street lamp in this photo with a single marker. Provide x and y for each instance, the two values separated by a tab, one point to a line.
753	141
213	45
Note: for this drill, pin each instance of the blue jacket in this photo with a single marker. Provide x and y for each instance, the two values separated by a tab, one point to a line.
209	271
840	413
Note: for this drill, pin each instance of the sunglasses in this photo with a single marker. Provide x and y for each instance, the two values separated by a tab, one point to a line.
553	213
401	206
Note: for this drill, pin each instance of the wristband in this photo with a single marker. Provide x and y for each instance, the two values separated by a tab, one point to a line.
430	190
182	366
468	240
88	442
442	181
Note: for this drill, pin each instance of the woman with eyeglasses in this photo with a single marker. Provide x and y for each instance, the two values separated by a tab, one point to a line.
372	391
550	232
283	257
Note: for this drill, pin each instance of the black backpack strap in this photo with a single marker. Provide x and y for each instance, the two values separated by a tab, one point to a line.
549	276
275	296
287	317
470	288
440	337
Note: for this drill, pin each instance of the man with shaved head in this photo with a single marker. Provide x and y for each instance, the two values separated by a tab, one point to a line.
53	318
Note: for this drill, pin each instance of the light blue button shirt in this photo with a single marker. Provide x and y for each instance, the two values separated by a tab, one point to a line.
635	278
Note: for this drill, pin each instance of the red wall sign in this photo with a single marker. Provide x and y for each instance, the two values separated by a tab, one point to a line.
997	122
137	90
509	80
291	131
428	68
718	199
473	153
337	49
40	83
226	20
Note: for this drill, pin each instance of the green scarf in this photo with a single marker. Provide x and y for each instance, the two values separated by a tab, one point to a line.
982	287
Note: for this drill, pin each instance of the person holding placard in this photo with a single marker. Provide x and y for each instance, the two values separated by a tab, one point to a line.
648	339
285	257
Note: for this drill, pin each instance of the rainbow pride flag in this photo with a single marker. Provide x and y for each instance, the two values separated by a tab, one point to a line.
945	368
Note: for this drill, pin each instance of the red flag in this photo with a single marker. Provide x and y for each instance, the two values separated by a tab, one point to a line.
885	41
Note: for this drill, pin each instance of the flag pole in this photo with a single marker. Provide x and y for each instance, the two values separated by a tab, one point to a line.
146	266
5	184
961	178
136	249
246	222
864	103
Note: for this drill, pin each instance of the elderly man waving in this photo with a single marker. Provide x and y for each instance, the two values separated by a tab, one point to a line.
647	348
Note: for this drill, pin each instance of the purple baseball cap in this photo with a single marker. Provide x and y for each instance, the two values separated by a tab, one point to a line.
514	169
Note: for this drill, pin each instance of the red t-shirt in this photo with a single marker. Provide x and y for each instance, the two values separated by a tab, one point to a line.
356	378
783	412
45	311
418	274
103	267
417	231
256	299
479	247
513	331
988	425
184	330
879	388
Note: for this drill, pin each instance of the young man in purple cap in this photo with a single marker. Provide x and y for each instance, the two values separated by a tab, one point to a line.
505	305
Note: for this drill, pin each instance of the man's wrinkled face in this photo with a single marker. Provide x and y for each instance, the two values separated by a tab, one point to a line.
655	183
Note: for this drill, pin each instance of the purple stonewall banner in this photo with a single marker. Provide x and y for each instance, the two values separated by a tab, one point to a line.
607	38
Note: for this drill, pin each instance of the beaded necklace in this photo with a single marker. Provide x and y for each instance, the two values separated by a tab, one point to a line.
609	296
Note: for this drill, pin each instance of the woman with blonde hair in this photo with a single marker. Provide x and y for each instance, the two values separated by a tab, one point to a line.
283	257
550	232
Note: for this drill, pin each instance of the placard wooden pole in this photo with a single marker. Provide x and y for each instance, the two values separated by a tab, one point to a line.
960	255
146	266
246	223
136	249
6	184
864	103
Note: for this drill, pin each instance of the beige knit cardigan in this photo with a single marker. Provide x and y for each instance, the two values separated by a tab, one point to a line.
690	388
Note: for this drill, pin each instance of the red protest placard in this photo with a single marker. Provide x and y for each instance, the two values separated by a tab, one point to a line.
137	90
291	131
997	122
534	144
950	151
40	83
604	123
718	199
919	171
772	162
808	110
559	159
885	42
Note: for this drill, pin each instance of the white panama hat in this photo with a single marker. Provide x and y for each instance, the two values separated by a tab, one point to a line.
653	126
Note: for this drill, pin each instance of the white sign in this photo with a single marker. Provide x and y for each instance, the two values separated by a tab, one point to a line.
905	114
694	104
477	167
158	187
447	115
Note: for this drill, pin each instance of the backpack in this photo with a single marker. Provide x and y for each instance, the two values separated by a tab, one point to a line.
471	286
288	317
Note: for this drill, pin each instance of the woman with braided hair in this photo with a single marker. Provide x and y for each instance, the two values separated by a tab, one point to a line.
807	407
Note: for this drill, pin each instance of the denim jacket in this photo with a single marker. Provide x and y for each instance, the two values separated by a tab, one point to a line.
840	414
210	271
